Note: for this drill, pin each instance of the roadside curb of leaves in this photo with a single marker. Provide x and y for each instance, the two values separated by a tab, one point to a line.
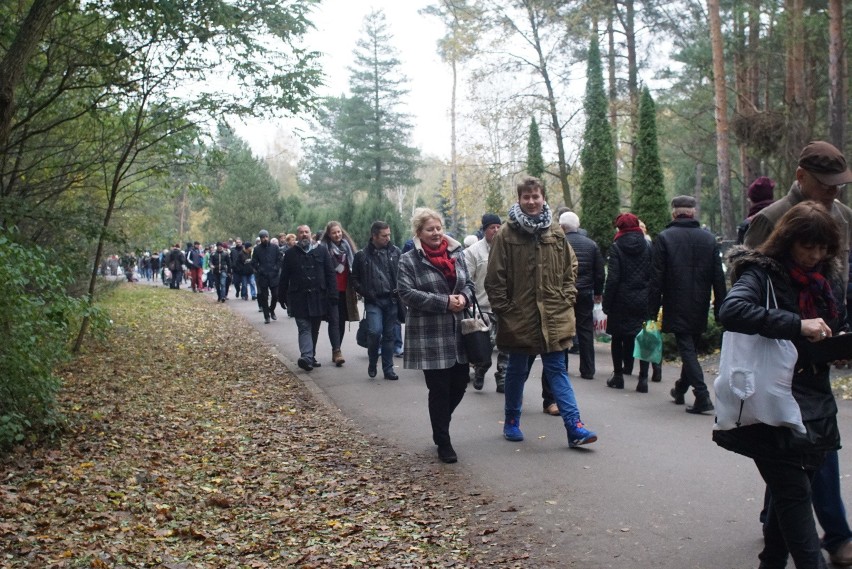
190	444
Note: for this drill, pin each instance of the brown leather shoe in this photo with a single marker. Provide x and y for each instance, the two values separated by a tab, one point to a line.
337	358
552	409
842	556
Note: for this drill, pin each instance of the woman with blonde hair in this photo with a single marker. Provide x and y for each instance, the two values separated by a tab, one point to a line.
434	283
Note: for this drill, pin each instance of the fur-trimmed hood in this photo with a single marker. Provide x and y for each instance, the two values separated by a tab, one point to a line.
739	258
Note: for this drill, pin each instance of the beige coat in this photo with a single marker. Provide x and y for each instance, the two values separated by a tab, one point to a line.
530	283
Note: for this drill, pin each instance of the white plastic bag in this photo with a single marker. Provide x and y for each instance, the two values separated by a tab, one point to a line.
755	381
600	319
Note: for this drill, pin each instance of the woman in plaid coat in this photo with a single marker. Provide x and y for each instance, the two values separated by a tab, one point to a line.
434	283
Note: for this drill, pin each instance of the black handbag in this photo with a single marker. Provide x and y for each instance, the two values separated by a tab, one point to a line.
476	335
363	334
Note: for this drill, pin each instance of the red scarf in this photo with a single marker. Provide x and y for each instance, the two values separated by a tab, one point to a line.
441	260
814	287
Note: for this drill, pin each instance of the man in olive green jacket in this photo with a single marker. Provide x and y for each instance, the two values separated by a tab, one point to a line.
530	284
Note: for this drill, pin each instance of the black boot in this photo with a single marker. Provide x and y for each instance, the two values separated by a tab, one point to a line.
657	375
616	381
642	386
702	404
447	454
677	394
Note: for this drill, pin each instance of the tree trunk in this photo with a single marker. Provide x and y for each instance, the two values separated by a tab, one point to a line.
554	114
837	89
14	62
723	159
454	168
613	92
795	92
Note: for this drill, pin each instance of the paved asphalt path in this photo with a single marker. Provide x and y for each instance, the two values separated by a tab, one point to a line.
654	491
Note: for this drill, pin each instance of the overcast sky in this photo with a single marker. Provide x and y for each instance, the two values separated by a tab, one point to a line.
339	25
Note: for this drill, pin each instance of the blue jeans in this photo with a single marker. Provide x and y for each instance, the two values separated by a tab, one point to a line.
221	280
828	504
517	371
246	284
381	320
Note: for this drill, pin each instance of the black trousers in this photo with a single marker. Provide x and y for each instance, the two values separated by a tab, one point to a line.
267	288
789	527
446	390
585	332
621	348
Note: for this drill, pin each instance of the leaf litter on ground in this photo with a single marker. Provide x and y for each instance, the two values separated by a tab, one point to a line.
189	444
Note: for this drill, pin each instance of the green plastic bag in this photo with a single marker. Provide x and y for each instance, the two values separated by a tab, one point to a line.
649	343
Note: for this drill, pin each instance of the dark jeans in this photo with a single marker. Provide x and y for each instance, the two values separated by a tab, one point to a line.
265	289
446	390
177	277
502	357
337	321
221	280
621	348
789	527
691	373
381	321
585	332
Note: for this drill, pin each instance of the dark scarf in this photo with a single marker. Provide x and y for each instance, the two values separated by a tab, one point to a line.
441	260
814	287
757	206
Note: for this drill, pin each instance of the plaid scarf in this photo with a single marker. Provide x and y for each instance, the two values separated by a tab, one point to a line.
814	287
529	224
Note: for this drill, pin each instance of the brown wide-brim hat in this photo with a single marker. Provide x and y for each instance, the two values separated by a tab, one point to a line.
825	163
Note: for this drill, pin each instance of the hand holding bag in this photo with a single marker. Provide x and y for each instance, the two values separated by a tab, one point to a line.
476	336
599	317
755	380
362	336
649	343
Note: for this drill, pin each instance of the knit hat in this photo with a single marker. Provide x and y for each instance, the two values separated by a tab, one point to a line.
263	233
570	221
684	201
825	163
626	221
490	219
761	189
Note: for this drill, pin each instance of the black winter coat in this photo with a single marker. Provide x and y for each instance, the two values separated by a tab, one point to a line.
744	311
242	263
687	264
374	272
626	288
308	283
266	261
220	262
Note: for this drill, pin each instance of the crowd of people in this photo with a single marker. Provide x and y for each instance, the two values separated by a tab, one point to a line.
537	278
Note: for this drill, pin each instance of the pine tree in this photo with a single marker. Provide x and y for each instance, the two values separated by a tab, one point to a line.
384	155
649	195
495	201
598	187
535	161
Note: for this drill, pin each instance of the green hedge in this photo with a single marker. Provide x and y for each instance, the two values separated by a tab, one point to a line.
37	319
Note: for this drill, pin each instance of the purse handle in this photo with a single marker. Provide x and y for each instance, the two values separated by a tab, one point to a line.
770	289
474	306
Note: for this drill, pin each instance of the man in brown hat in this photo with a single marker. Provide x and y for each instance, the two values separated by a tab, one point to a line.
687	264
820	175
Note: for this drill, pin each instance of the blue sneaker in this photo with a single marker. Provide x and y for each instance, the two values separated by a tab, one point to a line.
512	430
580	435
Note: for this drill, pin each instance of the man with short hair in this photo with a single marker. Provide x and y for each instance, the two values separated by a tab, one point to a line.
266	261
220	266
374	278
235	248
476	259
309	285
195	259
820	175
590	282
530	284
686	266
175	263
